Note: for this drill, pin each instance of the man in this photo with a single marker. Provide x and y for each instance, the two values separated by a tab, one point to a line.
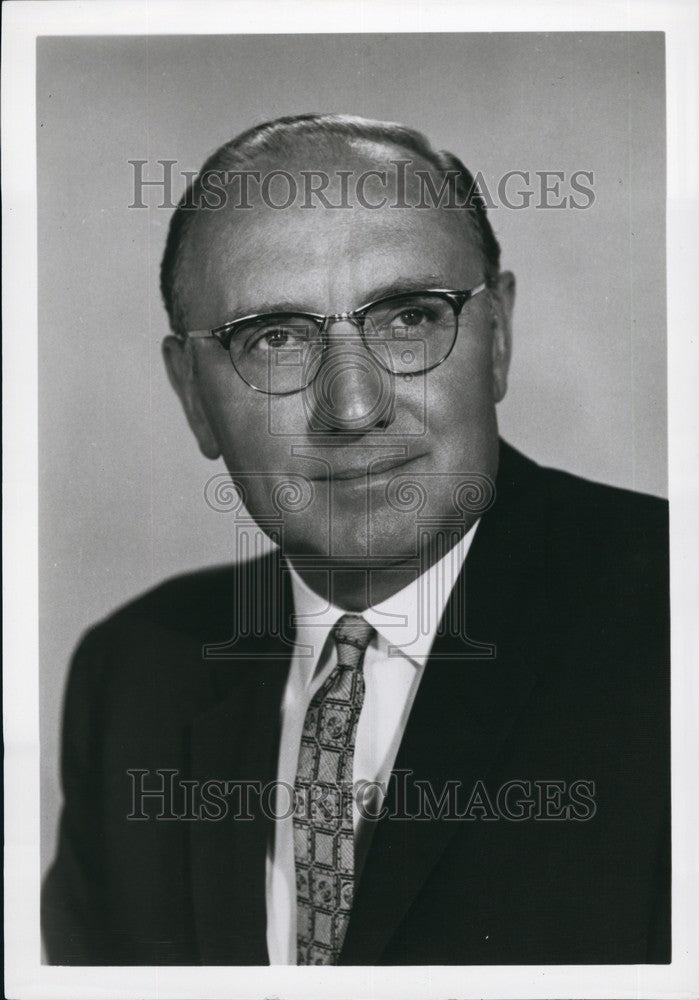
471	646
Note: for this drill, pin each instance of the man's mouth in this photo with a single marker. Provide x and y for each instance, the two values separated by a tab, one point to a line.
367	469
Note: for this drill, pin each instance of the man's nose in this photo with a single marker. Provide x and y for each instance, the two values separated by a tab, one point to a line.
352	392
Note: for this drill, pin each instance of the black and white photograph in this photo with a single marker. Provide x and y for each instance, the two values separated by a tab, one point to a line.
354	632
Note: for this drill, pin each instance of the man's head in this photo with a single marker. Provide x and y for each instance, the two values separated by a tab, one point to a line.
256	249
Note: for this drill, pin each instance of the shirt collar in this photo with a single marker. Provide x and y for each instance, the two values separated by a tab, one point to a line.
407	620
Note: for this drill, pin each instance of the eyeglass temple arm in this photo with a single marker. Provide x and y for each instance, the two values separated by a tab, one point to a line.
461	298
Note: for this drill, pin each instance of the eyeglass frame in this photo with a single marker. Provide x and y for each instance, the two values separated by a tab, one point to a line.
457	298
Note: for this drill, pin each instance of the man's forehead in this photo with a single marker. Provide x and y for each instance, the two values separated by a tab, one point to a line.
377	230
322	248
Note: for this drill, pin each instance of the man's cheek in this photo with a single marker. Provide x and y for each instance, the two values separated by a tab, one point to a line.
457	410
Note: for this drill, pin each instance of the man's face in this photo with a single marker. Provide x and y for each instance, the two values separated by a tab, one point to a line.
432	432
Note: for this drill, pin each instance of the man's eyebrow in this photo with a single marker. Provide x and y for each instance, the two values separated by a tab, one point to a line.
400	285
263	307
396	287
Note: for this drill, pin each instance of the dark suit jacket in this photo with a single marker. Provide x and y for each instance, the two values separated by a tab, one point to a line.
569	581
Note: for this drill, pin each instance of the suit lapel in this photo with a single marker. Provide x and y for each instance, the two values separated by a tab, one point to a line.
464	710
238	740
460	719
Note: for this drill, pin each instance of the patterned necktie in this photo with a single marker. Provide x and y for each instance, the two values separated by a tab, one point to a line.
323	830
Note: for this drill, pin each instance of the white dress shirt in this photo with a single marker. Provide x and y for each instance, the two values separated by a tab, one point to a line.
406	624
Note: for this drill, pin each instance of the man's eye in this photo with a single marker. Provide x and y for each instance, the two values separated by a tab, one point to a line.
274	338
411	317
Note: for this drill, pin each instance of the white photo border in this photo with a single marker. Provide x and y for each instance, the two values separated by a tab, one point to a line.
25	976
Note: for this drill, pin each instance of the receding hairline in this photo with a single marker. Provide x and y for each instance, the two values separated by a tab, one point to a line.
269	143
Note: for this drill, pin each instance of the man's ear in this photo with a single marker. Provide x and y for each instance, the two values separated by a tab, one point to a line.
179	362
503	301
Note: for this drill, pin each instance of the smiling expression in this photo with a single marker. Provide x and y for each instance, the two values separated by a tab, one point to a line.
358	436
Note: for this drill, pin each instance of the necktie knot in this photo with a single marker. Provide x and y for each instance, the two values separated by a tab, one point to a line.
352	634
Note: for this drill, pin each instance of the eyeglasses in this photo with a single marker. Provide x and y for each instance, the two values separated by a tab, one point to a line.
281	353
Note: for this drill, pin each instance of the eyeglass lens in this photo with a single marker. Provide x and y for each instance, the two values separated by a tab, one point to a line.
281	353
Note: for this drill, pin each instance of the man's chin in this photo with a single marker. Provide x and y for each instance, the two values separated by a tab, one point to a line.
349	550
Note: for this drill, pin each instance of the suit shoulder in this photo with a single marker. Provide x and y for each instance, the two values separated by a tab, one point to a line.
627	532
187	602
567	495
615	536
582	522
169	621
147	656
612	504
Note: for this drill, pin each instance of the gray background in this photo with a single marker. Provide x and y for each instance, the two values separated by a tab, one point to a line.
121	481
